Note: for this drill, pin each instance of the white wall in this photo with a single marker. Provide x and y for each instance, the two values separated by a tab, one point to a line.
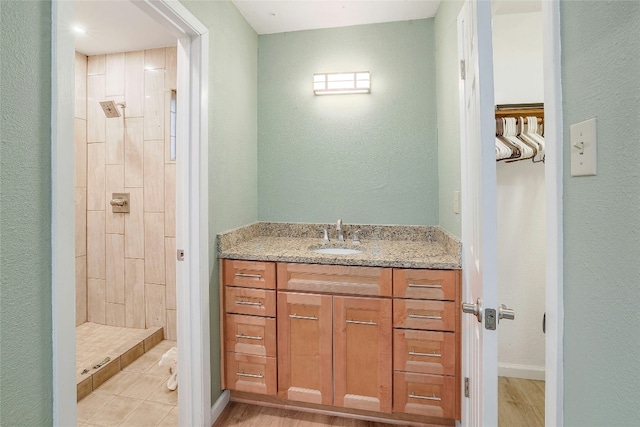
517	47
517	58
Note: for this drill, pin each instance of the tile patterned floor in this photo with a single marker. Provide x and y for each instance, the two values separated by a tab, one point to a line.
94	342
102	351
136	396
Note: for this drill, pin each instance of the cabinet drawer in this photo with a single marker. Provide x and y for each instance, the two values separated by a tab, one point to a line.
250	335
425	284
256	302
424	352
424	314
335	279
431	395
249	274
255	374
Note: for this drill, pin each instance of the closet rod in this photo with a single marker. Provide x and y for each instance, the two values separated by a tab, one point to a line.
520	112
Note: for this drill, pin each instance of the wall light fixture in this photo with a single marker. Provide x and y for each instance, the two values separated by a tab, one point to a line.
341	83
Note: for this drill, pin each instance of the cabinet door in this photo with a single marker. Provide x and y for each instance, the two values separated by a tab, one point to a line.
362	353
252	302
335	279
425	315
304	347
426	284
249	274
255	374
432	395
250	335
426	352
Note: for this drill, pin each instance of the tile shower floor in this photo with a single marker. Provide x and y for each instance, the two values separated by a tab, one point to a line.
136	396
94	342
102	351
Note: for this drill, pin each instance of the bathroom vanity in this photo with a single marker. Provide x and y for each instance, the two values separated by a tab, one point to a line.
374	333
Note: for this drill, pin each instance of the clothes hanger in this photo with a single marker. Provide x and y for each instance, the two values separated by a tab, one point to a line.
503	151
511	132
534	137
523	130
515	149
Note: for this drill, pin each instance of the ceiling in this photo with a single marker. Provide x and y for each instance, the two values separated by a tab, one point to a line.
120	26
269	17
117	26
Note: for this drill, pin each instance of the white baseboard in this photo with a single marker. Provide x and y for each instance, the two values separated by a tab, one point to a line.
219	405
528	372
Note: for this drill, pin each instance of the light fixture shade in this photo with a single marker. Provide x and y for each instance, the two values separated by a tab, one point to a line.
341	83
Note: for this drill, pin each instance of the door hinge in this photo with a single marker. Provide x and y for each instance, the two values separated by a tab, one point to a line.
462	70
466	386
180	254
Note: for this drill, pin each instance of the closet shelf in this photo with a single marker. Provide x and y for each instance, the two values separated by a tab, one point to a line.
520	110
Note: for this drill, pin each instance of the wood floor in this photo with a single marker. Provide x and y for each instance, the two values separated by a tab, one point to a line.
245	415
521	404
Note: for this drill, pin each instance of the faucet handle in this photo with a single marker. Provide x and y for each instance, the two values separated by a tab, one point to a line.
339	224
356	237
325	238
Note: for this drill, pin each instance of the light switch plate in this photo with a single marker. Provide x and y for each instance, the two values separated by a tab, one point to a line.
583	148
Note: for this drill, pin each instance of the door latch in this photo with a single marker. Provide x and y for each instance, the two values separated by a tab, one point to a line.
180	254
490	319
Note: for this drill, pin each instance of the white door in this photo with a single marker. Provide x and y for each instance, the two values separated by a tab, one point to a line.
479	223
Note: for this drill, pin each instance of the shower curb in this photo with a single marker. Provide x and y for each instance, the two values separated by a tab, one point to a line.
126	355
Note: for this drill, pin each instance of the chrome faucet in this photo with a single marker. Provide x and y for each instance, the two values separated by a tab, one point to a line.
339	229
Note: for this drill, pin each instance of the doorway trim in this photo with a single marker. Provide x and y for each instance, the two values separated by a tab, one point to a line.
192	230
554	294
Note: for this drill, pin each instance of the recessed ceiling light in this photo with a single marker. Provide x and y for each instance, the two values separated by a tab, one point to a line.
79	30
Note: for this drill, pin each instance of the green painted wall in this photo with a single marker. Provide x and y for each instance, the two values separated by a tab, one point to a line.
233	194
25	214
602	213
363	158
600	78
447	72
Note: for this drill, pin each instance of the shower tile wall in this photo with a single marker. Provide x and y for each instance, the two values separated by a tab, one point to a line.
130	257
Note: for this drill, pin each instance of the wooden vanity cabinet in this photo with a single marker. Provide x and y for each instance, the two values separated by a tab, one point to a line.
426	343
305	339
362	353
249	326
365	339
335	349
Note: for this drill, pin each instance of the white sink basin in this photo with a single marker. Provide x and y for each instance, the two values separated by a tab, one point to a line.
337	251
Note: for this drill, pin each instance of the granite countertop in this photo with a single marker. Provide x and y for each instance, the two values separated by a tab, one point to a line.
381	245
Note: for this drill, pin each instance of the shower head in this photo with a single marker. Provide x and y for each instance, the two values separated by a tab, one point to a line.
110	108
